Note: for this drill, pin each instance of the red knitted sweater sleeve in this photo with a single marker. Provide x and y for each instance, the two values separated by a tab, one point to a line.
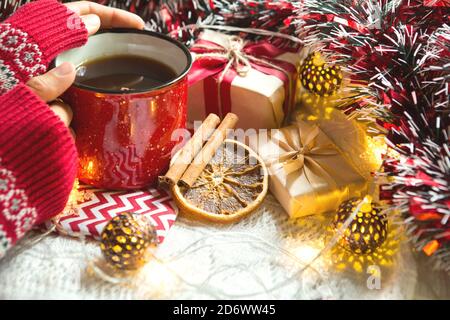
37	153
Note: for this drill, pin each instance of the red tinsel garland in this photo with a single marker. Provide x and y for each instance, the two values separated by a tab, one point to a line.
396	54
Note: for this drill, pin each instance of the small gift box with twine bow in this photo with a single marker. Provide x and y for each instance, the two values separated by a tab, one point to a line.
255	80
308	174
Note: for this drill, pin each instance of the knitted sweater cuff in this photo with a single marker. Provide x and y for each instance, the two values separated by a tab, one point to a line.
46	28
37	159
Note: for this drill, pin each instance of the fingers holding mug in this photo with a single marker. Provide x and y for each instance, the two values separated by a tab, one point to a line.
62	110
52	84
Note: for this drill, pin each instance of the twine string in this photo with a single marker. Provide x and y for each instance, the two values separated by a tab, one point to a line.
238	60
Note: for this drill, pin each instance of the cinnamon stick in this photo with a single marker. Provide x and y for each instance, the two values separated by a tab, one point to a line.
189	151
205	155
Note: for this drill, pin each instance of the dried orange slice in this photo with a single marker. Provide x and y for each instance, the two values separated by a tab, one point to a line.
233	184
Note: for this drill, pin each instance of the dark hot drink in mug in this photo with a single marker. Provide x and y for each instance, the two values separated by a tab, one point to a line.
129	97
124	73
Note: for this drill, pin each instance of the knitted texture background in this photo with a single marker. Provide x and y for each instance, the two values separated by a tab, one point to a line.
260	257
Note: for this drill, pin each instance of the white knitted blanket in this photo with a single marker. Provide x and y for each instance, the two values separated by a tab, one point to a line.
262	257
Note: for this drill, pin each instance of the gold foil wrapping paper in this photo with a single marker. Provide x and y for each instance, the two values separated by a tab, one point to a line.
308	173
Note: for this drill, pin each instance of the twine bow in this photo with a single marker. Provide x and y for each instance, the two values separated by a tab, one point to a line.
237	58
220	54
302	152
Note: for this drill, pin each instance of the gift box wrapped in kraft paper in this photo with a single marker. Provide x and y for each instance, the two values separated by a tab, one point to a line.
363	150
255	80
308	174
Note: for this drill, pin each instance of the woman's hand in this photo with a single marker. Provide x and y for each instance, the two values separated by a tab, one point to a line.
52	84
95	15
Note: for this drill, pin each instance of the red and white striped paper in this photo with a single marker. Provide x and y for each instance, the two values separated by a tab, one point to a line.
94	214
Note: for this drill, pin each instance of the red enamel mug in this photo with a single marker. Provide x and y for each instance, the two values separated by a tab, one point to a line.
125	139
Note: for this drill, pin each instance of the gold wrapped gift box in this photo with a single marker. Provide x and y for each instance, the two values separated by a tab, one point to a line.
308	173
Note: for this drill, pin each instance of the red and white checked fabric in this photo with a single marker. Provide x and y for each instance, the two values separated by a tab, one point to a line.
93	214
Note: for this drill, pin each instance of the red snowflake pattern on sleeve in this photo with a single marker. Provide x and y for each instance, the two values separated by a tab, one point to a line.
15	209
38	158
5	242
22	58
